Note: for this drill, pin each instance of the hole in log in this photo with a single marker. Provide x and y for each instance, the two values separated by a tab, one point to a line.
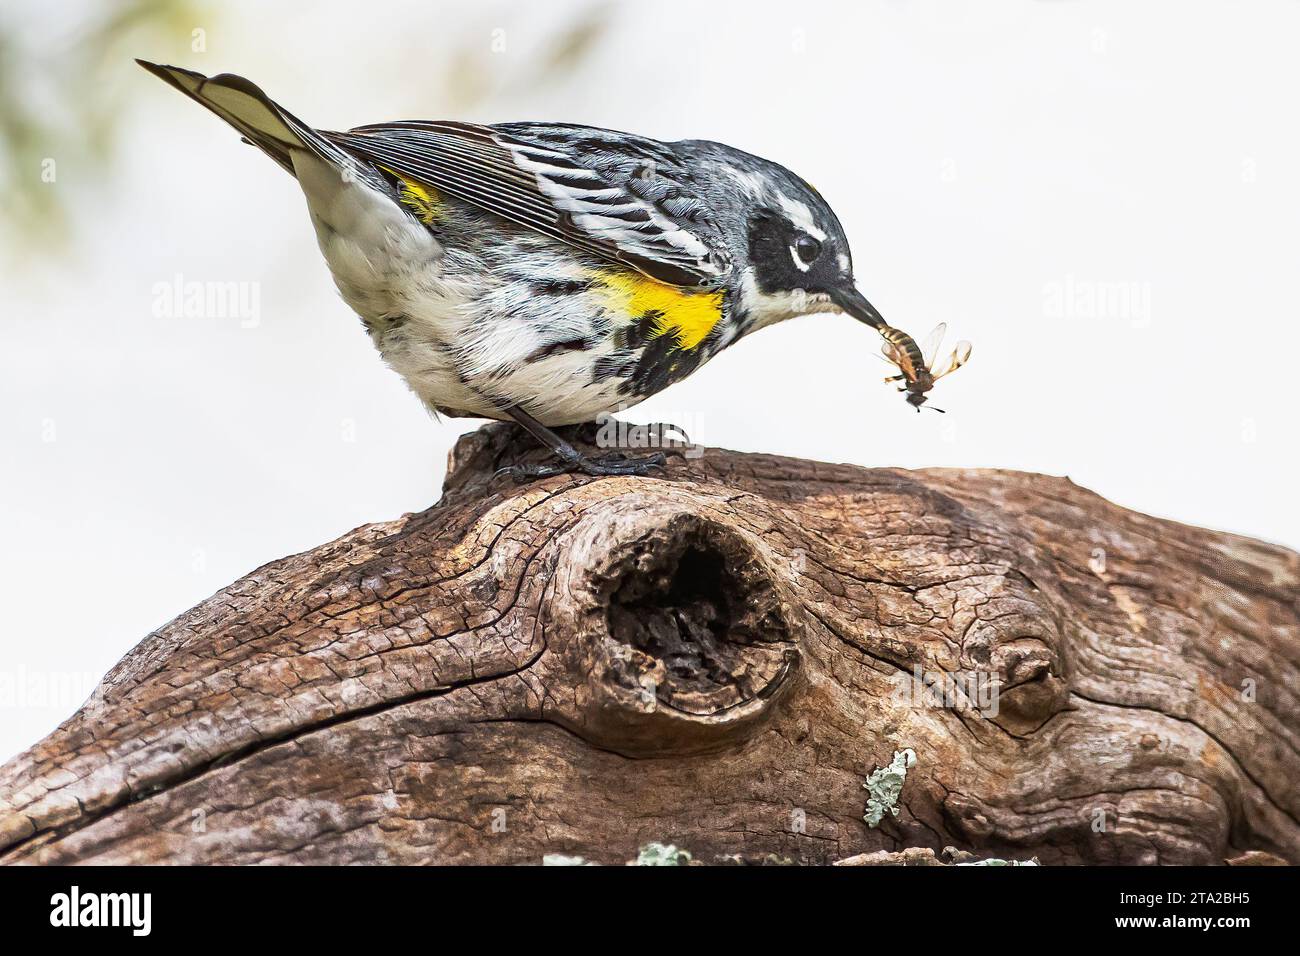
701	618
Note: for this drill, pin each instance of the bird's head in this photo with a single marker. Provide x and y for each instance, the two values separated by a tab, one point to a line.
796	256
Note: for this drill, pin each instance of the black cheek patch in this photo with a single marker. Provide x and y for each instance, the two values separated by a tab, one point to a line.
770	237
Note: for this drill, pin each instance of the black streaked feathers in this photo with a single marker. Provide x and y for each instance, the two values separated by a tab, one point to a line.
596	190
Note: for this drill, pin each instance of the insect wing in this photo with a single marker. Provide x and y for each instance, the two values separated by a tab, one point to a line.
930	352
960	356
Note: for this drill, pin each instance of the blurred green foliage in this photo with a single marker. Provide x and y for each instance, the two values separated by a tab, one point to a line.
64	88
59	99
470	76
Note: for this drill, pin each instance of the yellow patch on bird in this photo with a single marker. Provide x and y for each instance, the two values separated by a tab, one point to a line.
689	316
422	200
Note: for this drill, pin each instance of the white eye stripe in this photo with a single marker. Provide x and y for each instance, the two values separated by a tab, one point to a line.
801	216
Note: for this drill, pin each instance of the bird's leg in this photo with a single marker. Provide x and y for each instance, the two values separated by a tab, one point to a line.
570	459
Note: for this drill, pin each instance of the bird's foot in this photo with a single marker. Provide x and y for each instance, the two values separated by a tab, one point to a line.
678	445
615	464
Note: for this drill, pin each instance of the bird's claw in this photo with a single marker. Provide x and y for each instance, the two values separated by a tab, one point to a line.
620	464
615	464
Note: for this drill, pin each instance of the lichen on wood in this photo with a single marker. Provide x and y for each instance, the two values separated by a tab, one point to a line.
885	785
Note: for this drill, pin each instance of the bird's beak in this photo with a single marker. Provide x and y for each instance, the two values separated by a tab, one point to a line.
855	304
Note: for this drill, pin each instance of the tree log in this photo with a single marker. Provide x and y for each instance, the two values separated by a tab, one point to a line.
718	658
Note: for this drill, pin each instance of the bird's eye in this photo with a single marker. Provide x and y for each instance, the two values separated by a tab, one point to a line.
807	249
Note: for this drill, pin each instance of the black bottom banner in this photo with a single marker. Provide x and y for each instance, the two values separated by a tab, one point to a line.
385	905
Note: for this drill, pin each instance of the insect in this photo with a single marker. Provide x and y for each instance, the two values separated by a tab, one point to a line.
918	369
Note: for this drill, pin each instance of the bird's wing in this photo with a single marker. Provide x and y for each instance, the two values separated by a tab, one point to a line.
625	198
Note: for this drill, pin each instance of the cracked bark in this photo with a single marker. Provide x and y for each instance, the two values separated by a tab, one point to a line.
716	658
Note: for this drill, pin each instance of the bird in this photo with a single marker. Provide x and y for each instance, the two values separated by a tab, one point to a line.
548	273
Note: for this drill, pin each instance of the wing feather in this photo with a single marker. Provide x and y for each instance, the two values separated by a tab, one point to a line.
582	186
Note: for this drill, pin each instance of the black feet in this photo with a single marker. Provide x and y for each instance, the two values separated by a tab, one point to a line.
569	459
615	464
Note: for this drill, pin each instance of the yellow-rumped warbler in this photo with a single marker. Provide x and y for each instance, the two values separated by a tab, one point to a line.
549	273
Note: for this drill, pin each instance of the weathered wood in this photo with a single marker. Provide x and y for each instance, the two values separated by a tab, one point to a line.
716	659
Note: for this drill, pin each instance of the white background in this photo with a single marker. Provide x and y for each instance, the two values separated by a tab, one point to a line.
994	165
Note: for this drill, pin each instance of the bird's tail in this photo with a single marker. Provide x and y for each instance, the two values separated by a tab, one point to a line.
262	121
